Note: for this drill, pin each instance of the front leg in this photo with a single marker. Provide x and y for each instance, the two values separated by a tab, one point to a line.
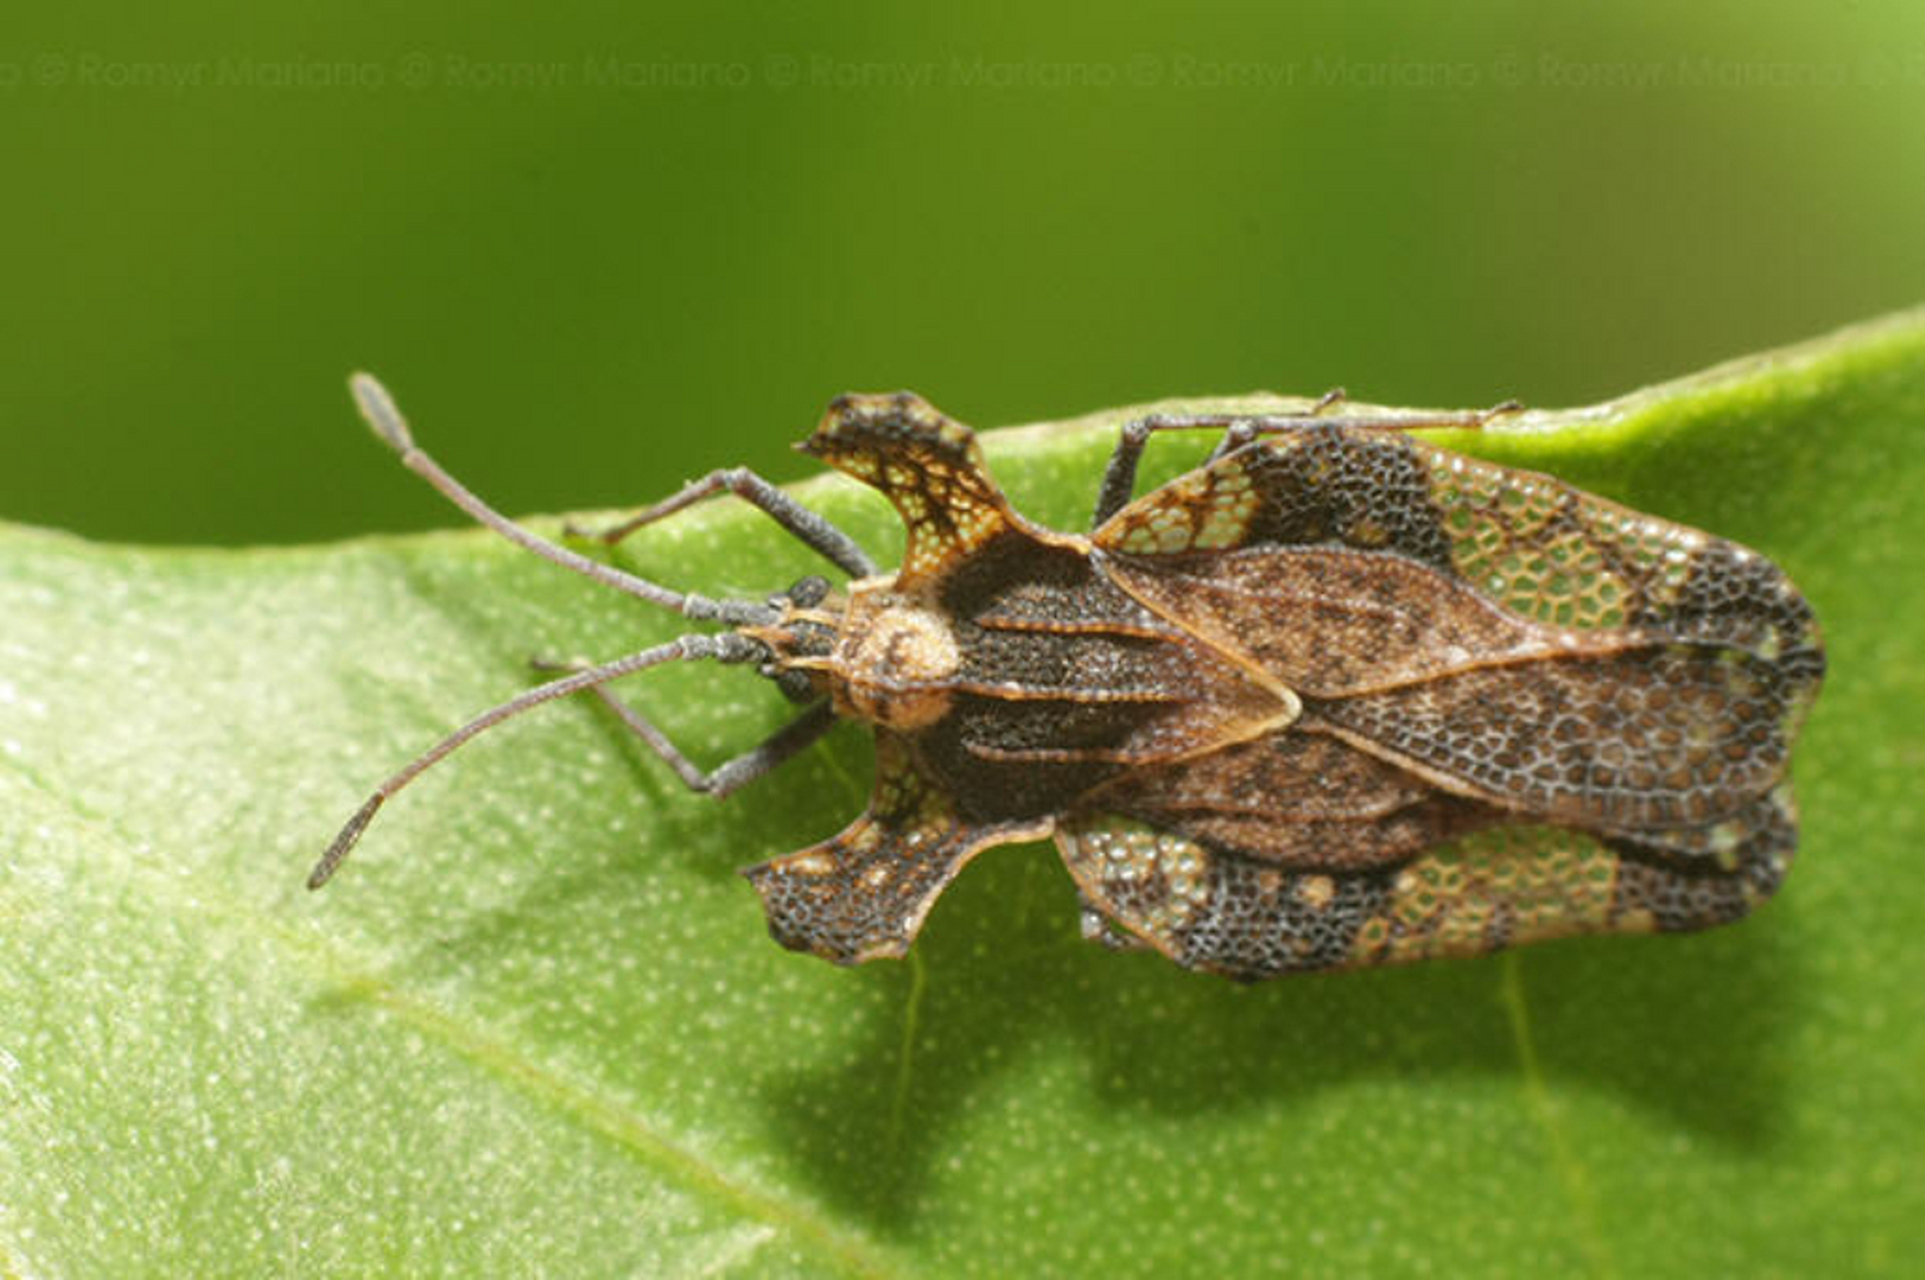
812	530
731	775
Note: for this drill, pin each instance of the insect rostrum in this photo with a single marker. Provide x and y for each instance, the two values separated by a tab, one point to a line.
1336	698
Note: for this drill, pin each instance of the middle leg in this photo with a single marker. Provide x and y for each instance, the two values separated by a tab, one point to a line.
1119	477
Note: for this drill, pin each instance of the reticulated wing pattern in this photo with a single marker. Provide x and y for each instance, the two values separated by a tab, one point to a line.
1666	737
1209	908
1299	800
1507	636
862	894
928	465
1537	547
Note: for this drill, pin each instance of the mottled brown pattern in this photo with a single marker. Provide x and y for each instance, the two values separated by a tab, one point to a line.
1294	799
862	894
1335	623
1338	698
1209	908
1670	737
926	464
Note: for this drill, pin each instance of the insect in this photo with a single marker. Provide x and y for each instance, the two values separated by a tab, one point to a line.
1335	698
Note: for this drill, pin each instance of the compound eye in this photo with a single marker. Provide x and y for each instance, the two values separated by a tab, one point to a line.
794	684
809	591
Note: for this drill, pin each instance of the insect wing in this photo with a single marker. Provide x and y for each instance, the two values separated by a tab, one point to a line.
1212	908
1501	633
1295	799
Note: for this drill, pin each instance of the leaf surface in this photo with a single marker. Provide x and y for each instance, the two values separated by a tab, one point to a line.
536	1025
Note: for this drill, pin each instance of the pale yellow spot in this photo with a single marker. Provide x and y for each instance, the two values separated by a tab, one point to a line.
1227	522
1316	892
1174	539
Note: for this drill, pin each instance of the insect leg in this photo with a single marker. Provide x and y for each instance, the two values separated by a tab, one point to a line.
1244	430
796	736
1119	477
728	647
1235	436
805	525
1273	424
1466	420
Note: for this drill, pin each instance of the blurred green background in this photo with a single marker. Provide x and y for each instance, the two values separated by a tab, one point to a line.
596	252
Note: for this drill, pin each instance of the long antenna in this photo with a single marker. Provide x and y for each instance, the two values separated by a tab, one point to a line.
725	647
378	407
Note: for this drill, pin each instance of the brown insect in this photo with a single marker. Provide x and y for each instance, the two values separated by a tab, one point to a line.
1335	698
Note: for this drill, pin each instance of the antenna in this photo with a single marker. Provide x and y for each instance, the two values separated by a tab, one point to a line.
378	408
726	647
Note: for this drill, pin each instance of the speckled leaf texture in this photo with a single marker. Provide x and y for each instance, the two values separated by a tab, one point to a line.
536	1027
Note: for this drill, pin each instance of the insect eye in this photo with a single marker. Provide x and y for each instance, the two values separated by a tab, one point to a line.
808	591
793	684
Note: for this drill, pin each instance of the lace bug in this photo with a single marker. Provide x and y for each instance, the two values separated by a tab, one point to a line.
1335	698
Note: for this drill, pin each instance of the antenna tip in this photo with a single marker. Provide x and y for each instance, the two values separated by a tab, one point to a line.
350	834
378	408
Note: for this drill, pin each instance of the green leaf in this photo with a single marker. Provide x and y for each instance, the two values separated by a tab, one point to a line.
536	1025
